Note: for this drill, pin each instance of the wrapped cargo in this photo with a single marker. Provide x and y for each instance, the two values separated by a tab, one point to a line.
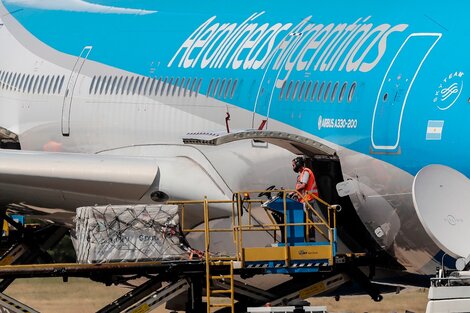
127	233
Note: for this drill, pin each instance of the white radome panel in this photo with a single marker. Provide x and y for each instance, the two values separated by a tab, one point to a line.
441	196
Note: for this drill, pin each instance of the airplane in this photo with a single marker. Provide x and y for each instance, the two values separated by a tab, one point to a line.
140	102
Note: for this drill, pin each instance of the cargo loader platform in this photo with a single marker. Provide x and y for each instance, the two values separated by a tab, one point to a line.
303	241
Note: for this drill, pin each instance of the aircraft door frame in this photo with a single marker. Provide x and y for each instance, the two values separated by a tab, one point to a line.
395	89
264	96
70	88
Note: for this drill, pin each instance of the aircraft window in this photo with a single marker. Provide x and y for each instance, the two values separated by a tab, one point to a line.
124	85
282	90
14	80
312	97
92	84
61	84
141	86
42	89
327	91
4	81
118	85
10	80
175	86
4	78
163	86
221	89
341	93
23	83
146	87
10	75
288	90
320	91
227	88
2	74
198	87
113	86
296	87
301	91
136	84
210	87
49	87
170	83
186	86
214	91
351	92
152	85
157	86
7	80
108	85
103	84
130	85
31	83
46	83
36	83
20	83
181	86
333	93
40	84
307	90
97	83
192	87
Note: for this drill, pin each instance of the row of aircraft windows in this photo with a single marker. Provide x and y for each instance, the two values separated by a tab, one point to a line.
145	86
163	86
310	91
222	88
28	83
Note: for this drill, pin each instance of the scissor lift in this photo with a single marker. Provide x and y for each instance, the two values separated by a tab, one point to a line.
292	251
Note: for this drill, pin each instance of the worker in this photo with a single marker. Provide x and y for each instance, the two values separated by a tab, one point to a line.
306	184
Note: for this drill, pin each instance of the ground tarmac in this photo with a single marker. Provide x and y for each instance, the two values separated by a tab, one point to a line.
51	295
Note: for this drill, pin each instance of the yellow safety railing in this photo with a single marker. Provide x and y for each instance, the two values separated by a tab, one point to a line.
241	224
244	202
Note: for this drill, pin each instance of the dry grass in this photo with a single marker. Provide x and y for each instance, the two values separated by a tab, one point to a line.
81	295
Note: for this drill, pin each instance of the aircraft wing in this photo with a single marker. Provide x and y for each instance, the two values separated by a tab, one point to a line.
53	177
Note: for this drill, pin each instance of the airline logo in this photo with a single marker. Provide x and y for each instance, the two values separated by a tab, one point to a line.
449	91
305	46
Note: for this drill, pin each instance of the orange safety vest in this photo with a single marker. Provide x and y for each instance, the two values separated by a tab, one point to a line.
311	187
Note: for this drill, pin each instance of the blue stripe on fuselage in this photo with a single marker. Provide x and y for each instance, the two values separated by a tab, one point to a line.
137	43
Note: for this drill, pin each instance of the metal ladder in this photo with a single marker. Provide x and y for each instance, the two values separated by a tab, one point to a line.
211	264
213	290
